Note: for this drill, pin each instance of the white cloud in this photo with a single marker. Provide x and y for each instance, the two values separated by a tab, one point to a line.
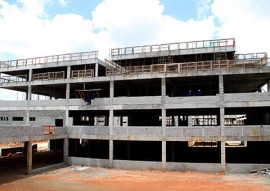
27	31
63	2
247	21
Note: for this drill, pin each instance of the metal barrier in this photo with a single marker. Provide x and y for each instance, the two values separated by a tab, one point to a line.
190	66
49	76
81	56
220	43
82	73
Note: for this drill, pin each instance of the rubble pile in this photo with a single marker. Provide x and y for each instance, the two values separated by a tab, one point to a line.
263	172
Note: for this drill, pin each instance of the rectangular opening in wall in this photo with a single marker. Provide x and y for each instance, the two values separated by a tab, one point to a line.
32	119
59	122
17	118
3	118
214	144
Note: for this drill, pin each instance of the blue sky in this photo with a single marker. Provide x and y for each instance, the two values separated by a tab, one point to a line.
181	9
30	28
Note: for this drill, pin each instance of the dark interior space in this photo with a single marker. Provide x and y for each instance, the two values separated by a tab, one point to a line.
254	115
137	150
176	59
183	114
132	88
245	83
141	117
89	118
57	146
180	152
87	148
52	70
192	86
255	152
99	89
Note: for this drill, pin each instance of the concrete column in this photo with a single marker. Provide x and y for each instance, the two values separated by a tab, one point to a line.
164	155
111	138
29	156
221	103
96	70
222	123
30	74
223	156
111	124
68	72
111	89
67	90
66	150
163	116
29	92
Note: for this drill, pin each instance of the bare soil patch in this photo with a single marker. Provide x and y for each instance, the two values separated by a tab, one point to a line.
78	178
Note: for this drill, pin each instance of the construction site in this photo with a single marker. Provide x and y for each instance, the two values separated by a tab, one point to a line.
185	106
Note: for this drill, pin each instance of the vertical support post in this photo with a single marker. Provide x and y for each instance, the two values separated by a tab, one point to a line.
111	124
223	156
68	84
66	139
68	72
163	116
96	70
67	91
29	156
65	150
222	123
29	91
111	89
111	139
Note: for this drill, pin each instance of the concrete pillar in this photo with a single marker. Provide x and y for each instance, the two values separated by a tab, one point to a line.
111	124
222	123
67	90
68	71
96	70
29	92
223	156
110	153
164	155
29	156
221	103
111	138
30	74
66	150
111	89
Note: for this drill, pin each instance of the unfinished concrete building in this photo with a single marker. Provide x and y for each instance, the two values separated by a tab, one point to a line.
195	106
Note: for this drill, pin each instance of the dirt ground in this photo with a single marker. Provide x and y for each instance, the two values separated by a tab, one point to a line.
97	179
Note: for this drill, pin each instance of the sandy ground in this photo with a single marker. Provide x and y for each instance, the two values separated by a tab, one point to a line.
97	179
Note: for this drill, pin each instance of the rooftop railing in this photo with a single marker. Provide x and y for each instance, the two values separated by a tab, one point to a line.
221	43
81	56
191	67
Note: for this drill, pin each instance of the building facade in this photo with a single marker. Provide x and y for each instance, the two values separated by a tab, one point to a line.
189	106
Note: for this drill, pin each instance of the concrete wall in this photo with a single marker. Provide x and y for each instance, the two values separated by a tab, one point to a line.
195	133
172	166
11	134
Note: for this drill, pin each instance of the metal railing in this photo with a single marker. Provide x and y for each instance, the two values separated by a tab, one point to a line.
49	76
16	78
82	73
190	67
220	43
81	56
